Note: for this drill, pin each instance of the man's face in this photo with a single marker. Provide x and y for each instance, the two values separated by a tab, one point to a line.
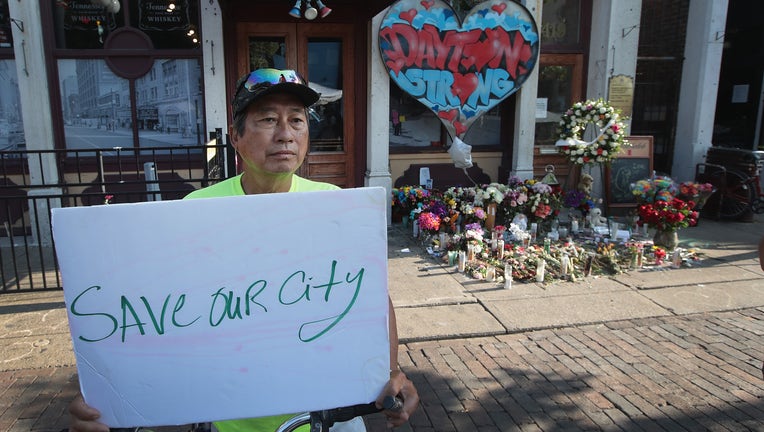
275	137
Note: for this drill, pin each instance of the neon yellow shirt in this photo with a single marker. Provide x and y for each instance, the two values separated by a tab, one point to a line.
232	187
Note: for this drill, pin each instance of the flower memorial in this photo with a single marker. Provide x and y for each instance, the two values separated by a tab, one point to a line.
610	133
528	238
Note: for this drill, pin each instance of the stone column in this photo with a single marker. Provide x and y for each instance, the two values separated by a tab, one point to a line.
703	47
378	133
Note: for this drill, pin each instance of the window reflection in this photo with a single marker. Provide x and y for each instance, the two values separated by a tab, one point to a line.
6	36
97	109
11	125
169	104
554	97
326	116
411	123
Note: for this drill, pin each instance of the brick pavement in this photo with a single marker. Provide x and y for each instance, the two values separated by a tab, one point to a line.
687	373
681	373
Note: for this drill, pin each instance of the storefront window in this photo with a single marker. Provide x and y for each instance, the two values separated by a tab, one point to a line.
98	113
554	99
117	98
561	23
11	125
6	38
412	125
168	24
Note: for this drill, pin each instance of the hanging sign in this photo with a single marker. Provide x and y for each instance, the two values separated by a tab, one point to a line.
459	70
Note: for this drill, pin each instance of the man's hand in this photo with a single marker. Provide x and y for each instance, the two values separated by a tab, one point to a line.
399	385
84	418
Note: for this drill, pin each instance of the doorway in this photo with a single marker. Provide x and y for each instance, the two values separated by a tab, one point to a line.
323	54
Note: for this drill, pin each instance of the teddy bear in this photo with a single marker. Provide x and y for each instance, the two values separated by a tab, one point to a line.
585	184
594	218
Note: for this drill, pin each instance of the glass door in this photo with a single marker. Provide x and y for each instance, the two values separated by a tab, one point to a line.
560	85
324	56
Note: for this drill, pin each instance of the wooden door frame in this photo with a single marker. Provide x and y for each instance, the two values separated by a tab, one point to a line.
544	155
335	167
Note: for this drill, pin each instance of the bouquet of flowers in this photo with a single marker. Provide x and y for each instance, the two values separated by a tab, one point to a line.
658	188
668	215
515	200
542	200
408	198
578	200
697	192
429	222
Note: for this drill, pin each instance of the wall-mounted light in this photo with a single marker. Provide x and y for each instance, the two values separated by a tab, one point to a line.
295	12
322	9
311	12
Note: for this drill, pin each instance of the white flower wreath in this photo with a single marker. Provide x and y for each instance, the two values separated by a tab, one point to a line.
605	146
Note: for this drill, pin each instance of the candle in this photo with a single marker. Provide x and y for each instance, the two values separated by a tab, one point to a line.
574	226
462	261
452	255
564	264
507	276
676	259
500	248
540	269
490	273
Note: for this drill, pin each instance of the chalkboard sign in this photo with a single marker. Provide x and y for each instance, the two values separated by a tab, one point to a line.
634	163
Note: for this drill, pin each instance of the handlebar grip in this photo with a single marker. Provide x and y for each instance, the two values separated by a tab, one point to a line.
348	413
343	414
392	403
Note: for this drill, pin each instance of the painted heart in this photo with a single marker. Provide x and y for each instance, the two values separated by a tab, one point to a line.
459	70
408	15
464	86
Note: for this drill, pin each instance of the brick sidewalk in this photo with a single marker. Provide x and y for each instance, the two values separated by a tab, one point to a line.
688	373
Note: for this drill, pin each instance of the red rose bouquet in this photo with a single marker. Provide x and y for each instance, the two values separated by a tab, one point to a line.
669	215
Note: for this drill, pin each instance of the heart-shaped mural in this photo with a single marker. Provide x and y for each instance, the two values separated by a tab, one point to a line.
458	70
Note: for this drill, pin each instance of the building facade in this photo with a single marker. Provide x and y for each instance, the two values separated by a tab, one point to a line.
149	73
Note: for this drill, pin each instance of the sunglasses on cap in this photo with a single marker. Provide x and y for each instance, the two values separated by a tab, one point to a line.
265	81
268	77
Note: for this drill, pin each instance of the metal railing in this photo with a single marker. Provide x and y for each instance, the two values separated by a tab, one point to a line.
35	181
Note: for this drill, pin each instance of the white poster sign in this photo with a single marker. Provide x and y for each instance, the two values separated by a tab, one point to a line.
222	308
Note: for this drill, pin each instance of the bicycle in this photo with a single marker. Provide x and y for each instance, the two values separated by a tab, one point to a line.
737	191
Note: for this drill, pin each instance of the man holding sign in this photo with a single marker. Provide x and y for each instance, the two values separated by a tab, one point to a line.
270	134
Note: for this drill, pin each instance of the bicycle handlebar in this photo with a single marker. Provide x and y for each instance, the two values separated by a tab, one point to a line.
321	421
